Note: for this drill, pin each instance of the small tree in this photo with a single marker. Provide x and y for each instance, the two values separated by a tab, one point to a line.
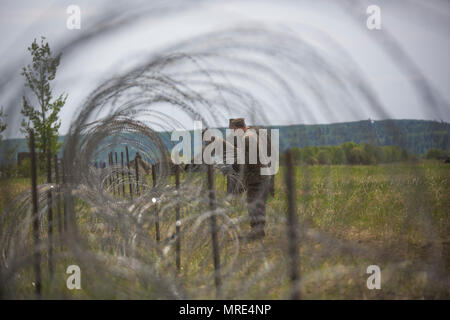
323	157
6	167
338	155
44	117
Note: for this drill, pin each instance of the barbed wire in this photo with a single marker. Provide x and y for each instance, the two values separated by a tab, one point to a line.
112	237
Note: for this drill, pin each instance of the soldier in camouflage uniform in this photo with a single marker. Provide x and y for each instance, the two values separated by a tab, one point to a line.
270	180
255	183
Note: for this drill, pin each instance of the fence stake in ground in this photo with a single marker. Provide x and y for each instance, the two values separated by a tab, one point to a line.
34	197
50	214
123	173
292	226
111	175
229	184
156	205
136	168
215	245
129	175
117	174
58	199
64	180
108	181
177	218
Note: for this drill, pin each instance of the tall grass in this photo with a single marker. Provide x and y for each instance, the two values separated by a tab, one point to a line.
395	216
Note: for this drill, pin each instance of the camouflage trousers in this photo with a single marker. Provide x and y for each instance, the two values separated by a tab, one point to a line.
256	203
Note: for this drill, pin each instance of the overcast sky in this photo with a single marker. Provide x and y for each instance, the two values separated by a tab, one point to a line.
421	28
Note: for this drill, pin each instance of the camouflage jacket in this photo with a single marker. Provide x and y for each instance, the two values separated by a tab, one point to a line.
250	173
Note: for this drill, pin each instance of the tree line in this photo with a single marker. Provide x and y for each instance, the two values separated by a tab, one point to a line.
416	136
352	153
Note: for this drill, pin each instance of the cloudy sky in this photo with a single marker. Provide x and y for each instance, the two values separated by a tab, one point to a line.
420	28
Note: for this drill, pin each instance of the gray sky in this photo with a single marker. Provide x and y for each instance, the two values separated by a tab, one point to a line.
422	28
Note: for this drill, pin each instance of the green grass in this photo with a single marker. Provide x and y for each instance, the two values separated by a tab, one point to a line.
388	215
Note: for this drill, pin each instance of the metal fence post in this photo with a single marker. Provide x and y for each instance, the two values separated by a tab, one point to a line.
129	175
292	226
158	238
136	168
213	224
117	175
34	197
58	200
123	174
177	218
50	214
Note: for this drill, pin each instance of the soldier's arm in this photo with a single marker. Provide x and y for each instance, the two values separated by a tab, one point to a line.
227	146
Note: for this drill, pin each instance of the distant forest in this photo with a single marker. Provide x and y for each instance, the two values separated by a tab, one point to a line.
354	153
414	136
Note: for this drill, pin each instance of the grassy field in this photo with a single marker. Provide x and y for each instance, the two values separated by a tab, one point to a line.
394	216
